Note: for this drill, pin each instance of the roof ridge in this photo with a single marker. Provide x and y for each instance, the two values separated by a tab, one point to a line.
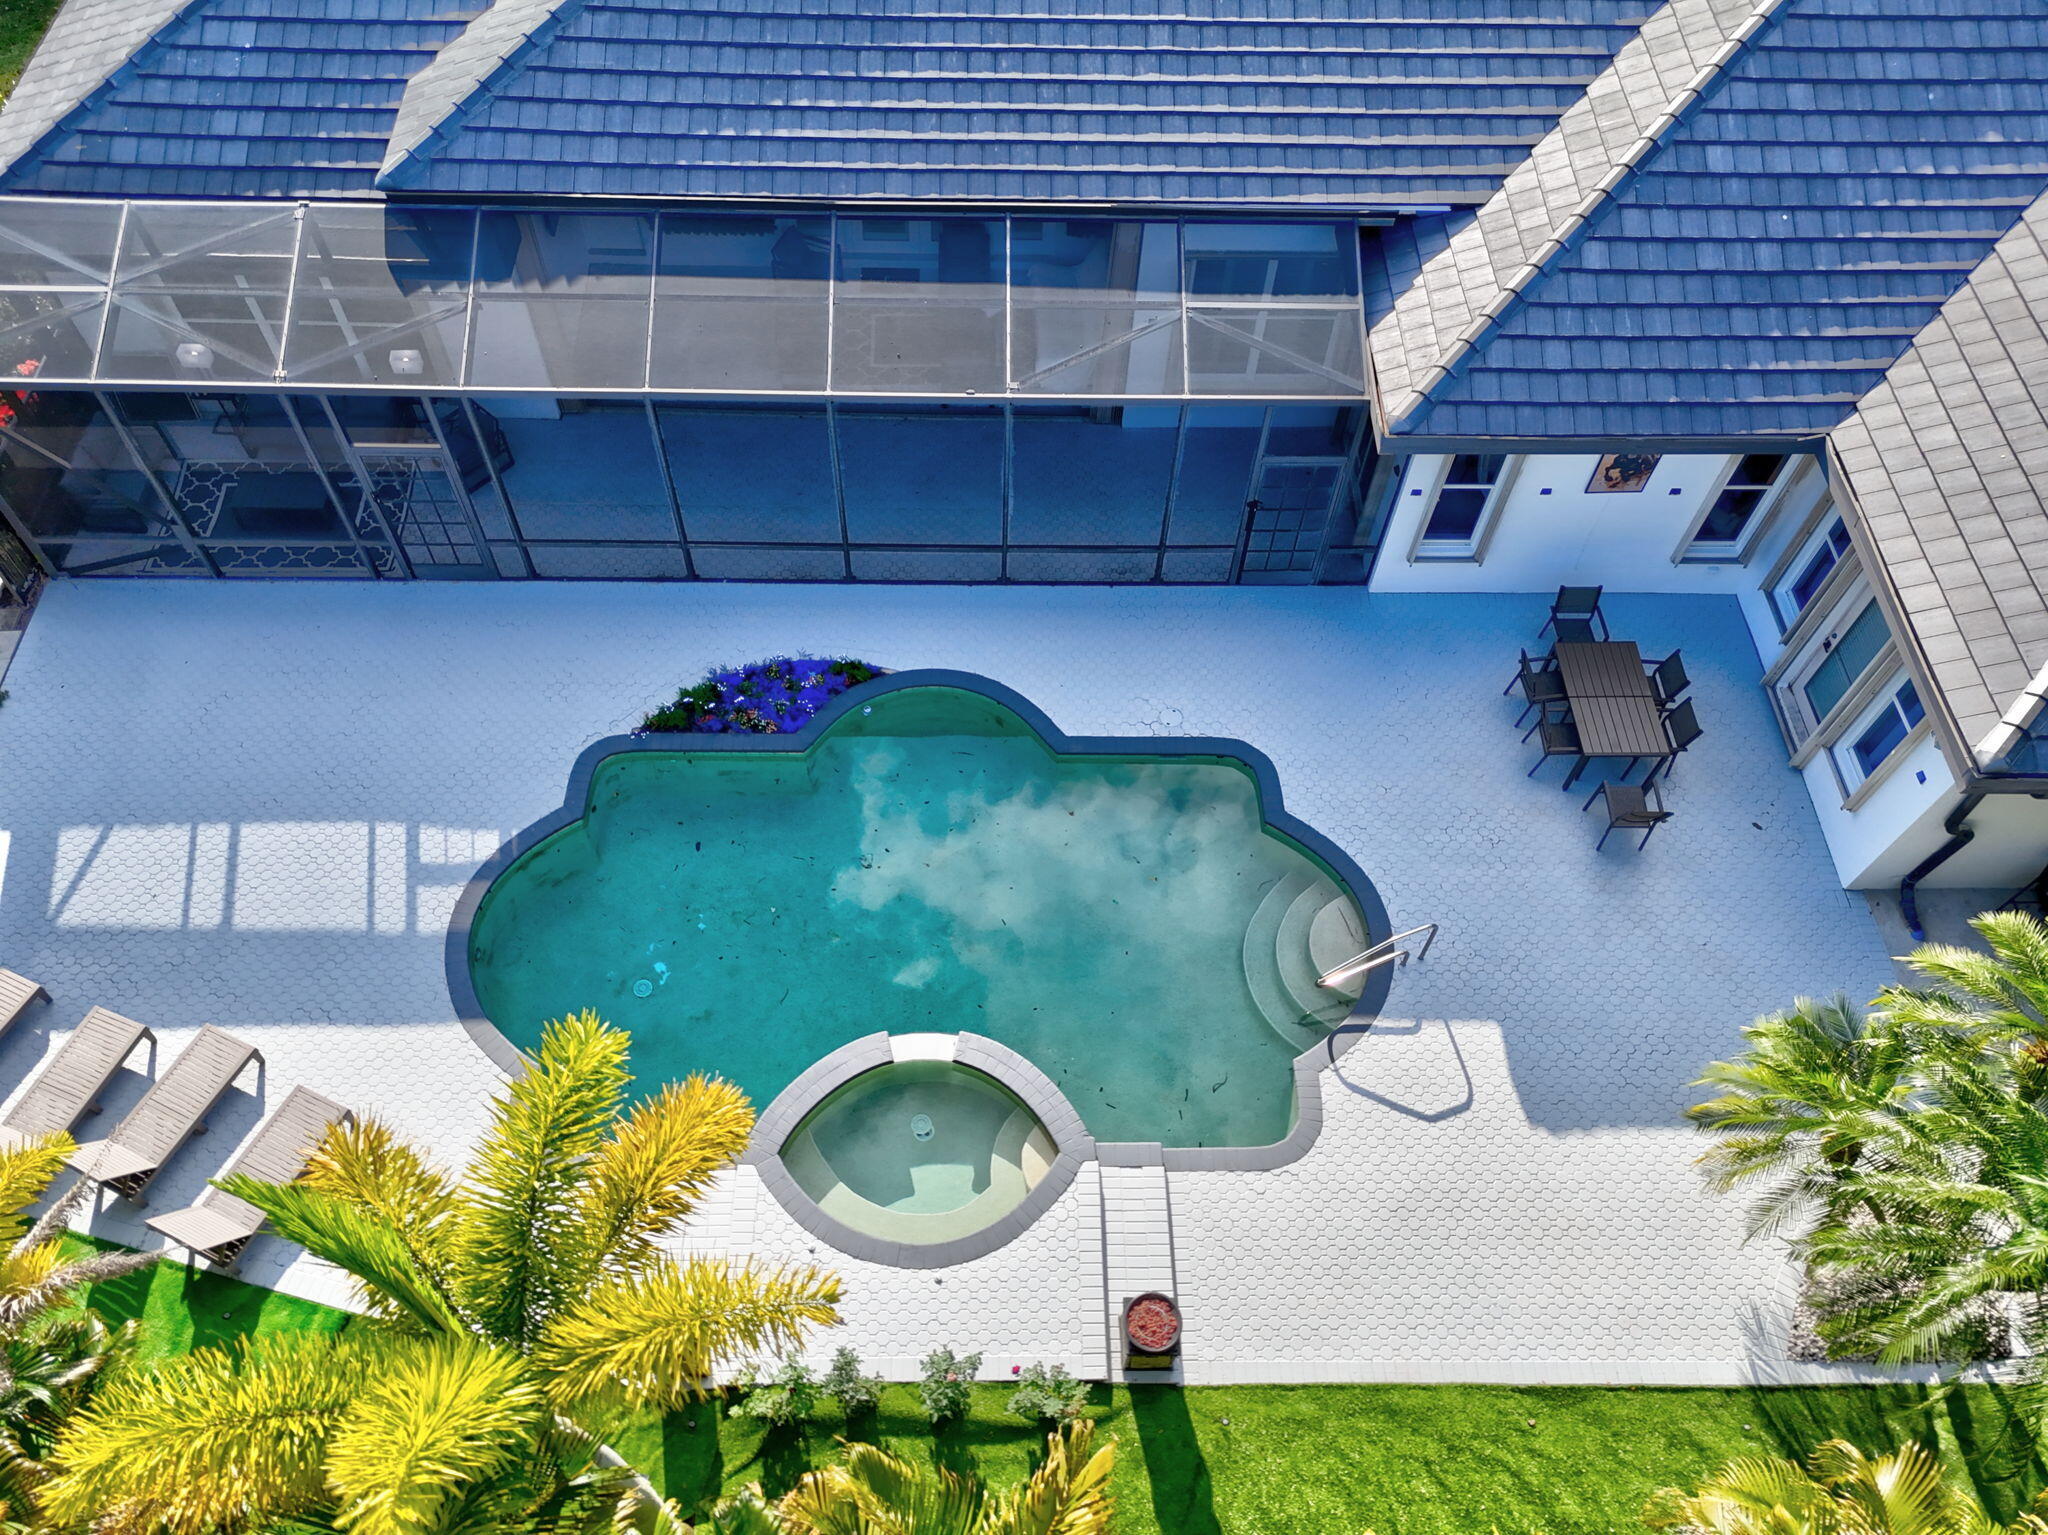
491	48
47	120
1415	397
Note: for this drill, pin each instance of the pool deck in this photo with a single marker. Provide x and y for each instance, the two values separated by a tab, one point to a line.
255	806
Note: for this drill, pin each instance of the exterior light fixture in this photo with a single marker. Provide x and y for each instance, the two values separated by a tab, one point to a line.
194	356
407	362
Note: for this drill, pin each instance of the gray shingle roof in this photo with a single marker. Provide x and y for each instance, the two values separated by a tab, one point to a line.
1947	461
86	43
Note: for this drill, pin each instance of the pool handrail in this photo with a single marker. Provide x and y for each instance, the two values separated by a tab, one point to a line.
1372	958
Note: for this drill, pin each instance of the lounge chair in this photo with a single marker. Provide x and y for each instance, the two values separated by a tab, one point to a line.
16	992
71	1081
174	1109
217	1226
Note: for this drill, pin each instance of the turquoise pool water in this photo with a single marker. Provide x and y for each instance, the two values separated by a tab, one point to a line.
929	864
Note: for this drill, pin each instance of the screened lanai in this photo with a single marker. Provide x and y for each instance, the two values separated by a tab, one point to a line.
369	389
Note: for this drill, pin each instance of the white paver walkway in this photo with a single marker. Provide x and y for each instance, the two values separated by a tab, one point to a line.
252	805
1137	1246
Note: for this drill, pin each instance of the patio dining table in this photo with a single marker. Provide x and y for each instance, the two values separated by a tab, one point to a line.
1612	703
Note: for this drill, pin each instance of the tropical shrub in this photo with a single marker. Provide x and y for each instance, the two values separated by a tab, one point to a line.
854	1392
518	1308
1048	1394
1904	1152
947	1383
1839	1491
778	695
872	1492
790	1398
52	1353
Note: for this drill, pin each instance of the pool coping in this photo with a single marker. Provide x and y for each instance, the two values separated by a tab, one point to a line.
1073	1145
1308	1065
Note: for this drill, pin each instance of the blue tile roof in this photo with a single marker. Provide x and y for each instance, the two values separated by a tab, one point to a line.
1784	242
1189	101
247	98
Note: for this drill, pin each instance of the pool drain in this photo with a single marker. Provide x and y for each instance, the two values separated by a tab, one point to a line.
643	988
921	1126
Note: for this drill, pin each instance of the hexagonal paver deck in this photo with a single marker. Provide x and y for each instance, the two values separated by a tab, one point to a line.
253	805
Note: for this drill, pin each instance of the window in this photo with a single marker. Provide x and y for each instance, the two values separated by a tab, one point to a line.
1880	731
1742	495
1458	514
1847	655
1809	570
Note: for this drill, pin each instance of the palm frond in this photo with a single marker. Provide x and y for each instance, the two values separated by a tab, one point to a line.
25	1172
874	1492
39	1279
214	1439
745	1513
649	1173
366	1164
388	1277
652	1339
1068	1494
443	1414
520	1238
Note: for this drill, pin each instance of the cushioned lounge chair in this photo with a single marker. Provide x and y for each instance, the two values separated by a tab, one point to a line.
217	1226
71	1081
173	1110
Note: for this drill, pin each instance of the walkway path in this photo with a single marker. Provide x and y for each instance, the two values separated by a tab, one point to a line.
1137	1246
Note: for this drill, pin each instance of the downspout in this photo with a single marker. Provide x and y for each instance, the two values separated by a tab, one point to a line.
1960	833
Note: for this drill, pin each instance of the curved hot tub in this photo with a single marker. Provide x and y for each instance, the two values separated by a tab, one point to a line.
919	1152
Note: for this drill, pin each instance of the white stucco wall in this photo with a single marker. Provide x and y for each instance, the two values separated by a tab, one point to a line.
1550	532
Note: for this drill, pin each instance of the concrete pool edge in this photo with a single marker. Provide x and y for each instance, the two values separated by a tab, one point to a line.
871	1052
1307	1066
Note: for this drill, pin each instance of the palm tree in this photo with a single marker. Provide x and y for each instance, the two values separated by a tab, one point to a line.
1817	1083
872	1492
51	1351
1999	996
518	1310
1965	1180
1840	1491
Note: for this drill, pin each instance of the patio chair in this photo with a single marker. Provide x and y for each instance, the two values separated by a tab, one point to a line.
1668	679
1541	684
1683	727
172	1111
217	1226
16	992
1573	631
1629	805
71	1081
1560	739
1580	602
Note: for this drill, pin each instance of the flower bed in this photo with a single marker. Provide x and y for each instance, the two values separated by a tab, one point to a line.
776	696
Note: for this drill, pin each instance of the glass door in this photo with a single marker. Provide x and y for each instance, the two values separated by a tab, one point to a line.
1289	514
414	488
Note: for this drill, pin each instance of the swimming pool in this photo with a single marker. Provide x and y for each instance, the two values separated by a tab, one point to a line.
1129	922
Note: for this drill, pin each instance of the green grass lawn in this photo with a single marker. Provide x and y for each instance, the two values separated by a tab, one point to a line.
1262	1460
21	28
1399	1460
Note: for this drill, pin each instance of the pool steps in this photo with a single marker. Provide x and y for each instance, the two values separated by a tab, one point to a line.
1283	942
